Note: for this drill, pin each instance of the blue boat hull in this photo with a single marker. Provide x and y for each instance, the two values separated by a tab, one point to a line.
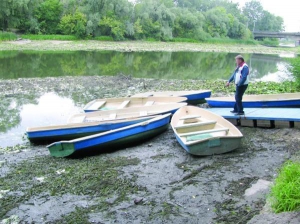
199	98
111	140
72	133
260	104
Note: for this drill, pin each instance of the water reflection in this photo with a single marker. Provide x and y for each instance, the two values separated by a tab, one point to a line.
161	65
49	109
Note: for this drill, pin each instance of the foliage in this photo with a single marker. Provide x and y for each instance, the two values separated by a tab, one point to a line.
270	42
48	14
73	24
104	38
286	190
7	36
48	37
122	19
295	69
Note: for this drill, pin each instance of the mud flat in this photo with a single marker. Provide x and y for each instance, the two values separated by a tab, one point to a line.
51	45
155	182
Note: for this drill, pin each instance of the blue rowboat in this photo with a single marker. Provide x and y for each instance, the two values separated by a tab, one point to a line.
259	101
129	102
193	97
85	124
203	133
112	139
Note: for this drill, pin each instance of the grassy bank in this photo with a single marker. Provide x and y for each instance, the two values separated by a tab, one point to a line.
141	46
48	37
285	193
6	36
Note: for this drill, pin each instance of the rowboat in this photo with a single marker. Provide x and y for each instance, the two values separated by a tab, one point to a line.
265	100
203	133
193	97
81	125
113	139
120	103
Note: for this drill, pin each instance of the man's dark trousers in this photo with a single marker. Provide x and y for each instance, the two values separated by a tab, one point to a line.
240	90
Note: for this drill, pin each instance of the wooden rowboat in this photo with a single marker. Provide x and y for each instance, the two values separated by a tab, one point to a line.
193	97
266	100
121	103
81	125
112	139
203	133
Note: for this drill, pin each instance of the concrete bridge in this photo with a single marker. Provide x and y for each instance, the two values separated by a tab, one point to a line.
260	34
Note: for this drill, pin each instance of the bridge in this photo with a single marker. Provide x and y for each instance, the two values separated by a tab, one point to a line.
259	34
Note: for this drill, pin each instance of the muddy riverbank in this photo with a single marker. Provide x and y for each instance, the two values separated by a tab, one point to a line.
155	182
128	46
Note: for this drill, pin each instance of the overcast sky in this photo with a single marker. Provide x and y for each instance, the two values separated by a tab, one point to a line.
288	9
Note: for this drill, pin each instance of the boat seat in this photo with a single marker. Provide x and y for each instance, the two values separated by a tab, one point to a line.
97	105
78	119
149	103
189	117
204	132
113	116
124	104
143	113
199	124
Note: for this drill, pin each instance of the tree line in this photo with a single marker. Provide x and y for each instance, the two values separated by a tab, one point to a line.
140	19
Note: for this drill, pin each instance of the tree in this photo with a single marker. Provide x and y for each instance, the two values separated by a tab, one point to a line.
270	22
48	15
217	22
253	10
73	24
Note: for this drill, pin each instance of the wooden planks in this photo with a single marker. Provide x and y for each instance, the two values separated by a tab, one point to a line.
262	117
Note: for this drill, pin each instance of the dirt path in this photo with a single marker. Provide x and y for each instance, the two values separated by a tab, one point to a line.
51	45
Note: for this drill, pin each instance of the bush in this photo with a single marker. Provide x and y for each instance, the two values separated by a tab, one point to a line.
104	38
4	36
270	42
286	191
73	24
295	69
48	37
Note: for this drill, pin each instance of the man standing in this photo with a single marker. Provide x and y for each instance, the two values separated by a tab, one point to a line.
241	80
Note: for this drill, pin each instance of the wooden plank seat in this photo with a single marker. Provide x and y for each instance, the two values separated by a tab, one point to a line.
149	103
198	124
124	104
97	105
204	132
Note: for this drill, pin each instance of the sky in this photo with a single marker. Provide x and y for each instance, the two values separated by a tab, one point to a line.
287	9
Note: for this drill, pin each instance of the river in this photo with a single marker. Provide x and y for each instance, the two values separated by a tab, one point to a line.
160	65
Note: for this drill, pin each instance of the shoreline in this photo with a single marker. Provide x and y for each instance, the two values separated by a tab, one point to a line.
140	46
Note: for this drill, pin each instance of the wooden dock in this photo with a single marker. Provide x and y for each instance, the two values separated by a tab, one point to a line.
262	117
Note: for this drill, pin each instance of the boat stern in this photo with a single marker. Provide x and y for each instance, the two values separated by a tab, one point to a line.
61	149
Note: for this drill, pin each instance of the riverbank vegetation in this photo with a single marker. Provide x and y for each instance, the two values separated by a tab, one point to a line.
135	20
286	191
5	36
295	69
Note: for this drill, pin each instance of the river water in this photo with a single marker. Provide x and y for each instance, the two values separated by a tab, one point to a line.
43	107
159	65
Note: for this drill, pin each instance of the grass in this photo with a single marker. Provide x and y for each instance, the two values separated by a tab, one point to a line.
104	38
285	194
49	37
270	42
216	41
94	176
6	36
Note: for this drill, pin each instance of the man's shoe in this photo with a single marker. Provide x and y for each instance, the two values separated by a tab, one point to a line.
233	111
240	113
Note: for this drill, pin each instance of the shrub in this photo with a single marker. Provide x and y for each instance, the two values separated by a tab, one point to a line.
4	36
104	38
286	191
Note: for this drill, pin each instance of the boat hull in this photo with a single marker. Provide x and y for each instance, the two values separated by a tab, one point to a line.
212	146
72	133
111	140
263	104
